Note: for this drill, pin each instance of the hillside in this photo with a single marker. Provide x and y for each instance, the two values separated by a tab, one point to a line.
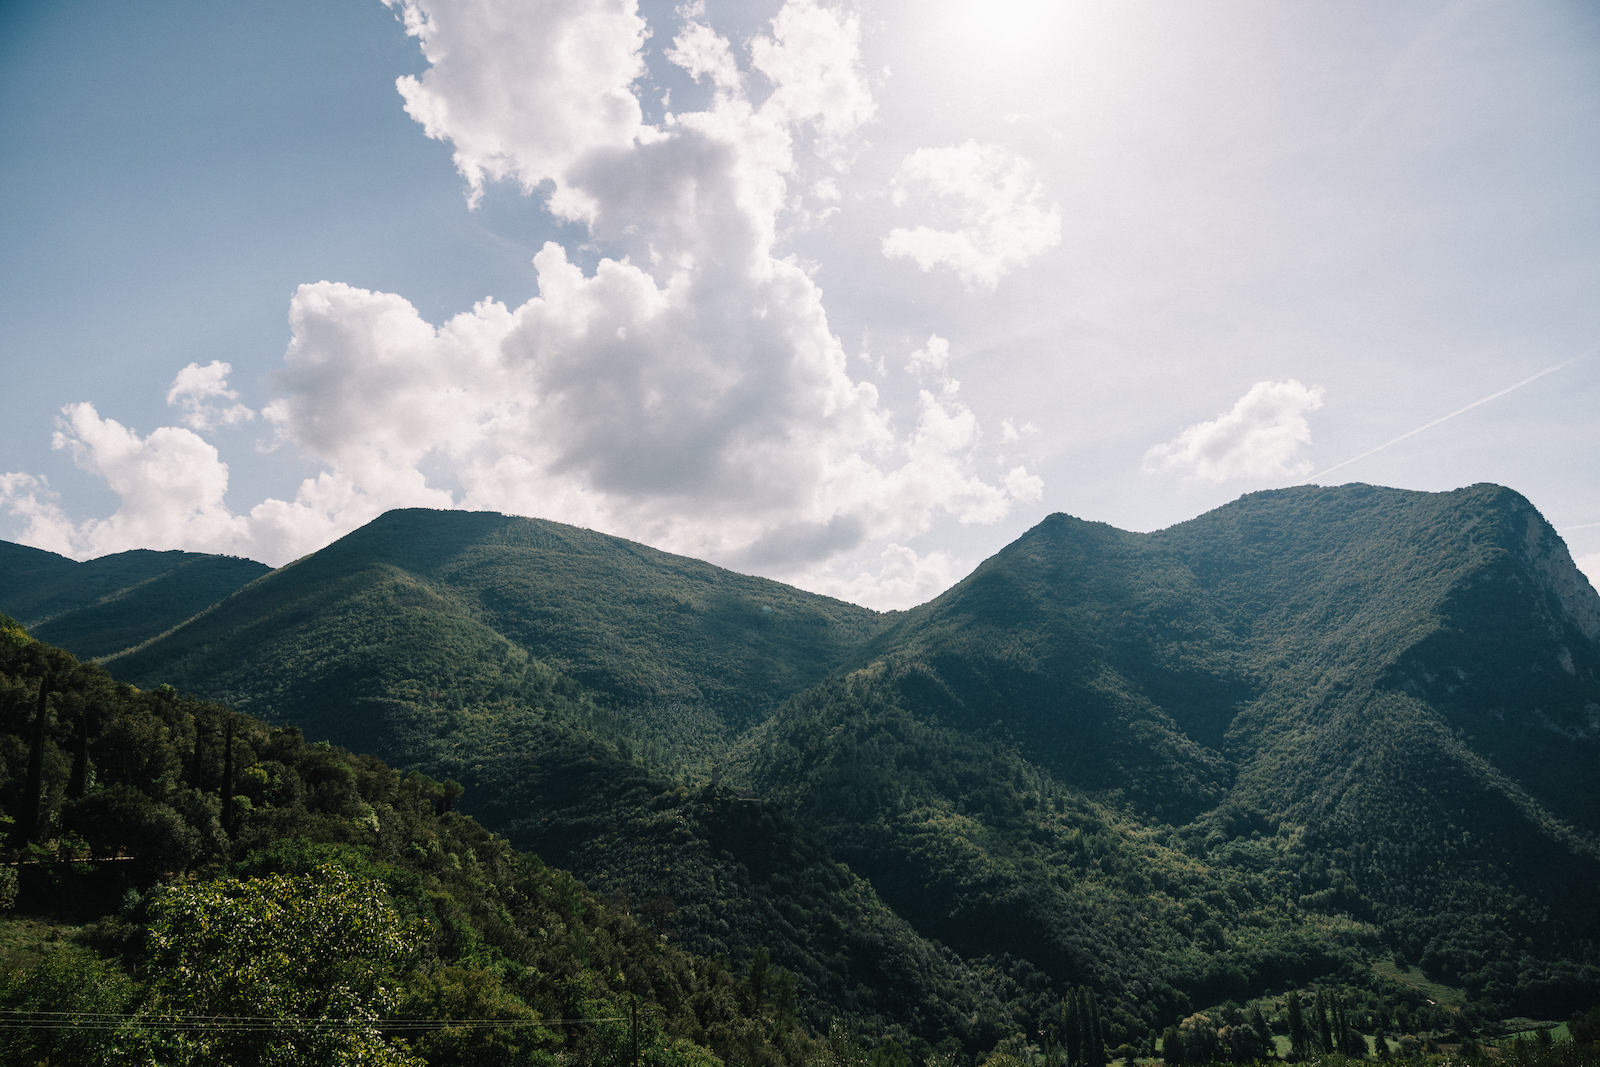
445	610
1312	740
185	884
116	602
1369	714
568	680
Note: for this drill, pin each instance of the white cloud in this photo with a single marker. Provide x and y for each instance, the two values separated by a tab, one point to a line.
988	211
902	579
931	359
1024	487
813	60
687	390
203	395
524	90
1261	437
1012	434
31	500
705	54
170	486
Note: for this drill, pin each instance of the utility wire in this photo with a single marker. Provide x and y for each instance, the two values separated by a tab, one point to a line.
94	1020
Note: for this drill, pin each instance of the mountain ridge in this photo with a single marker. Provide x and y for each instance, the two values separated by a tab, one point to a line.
1263	746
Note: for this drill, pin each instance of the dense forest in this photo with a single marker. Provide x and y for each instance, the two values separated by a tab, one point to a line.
1309	776
186	884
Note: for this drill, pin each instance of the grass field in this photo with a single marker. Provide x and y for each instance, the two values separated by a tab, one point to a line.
1446	996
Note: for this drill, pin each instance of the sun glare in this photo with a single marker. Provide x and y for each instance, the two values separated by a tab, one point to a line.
1005	28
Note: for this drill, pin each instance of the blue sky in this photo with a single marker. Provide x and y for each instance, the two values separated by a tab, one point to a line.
845	294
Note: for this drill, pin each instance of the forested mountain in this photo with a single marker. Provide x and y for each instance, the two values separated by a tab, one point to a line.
185	884
113	603
1321	738
421	615
1311	721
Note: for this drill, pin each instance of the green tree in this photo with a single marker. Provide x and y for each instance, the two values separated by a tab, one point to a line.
299	968
1172	1046
448	992
1324	1026
1299	1032
29	818
1198	1033
69	980
889	1054
760	964
1258	1023
1585	1027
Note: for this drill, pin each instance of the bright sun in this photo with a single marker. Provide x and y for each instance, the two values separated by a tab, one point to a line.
1001	28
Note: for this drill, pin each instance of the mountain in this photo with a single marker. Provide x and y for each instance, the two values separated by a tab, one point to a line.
1318	738
113	603
567	679
1351	705
420	614
185	884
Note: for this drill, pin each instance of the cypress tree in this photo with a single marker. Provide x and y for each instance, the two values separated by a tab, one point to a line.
197	764
1258	1023
78	780
760	961
227	775
1343	1035
1324	1027
1095	1053
1299	1033
1072	1027
27	827
783	983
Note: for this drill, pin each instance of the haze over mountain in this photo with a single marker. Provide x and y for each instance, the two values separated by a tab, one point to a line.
1316	735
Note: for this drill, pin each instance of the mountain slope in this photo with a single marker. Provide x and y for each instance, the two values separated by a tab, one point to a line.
560	675
168	838
1351	702
1263	749
420	603
114	602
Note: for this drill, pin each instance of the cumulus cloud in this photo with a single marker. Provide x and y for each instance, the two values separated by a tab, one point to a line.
705	54
31	501
902	579
685	390
202	394
525	90
813	60
987	208
170	485
932	358
1261	437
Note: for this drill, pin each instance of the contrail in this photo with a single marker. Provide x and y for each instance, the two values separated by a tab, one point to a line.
1444	418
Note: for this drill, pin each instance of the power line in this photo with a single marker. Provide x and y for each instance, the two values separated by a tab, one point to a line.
110	1020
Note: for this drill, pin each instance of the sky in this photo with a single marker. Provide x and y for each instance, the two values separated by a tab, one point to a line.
845	293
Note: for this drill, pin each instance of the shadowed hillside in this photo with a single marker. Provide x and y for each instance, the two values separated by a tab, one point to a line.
113	603
1357	703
